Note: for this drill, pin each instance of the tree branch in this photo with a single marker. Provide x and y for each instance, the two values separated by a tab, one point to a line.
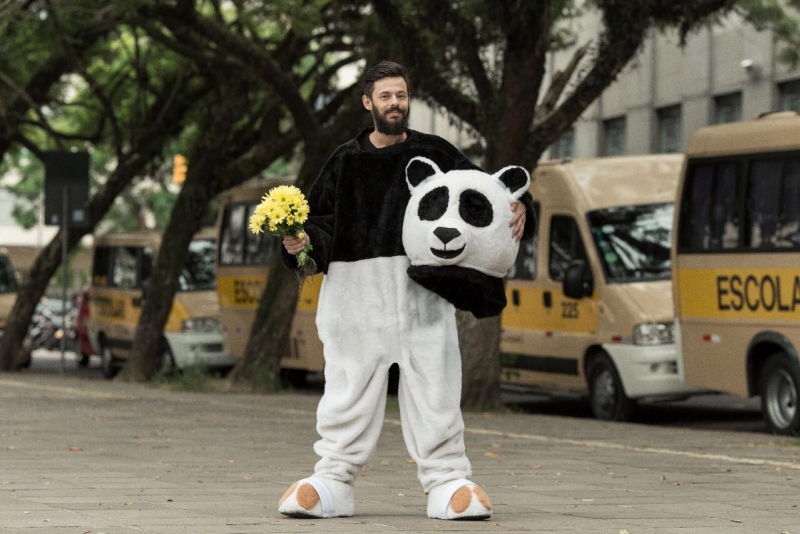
267	68
559	83
467	46
78	62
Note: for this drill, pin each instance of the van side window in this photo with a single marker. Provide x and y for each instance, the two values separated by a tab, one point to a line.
231	251
123	269
101	264
773	205
146	262
199	271
524	267
260	247
709	211
566	245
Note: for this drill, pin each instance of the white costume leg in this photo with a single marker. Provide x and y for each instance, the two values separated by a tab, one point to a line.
429	395
357	325
429	392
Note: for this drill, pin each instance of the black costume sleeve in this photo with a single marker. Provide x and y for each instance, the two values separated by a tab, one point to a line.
320	223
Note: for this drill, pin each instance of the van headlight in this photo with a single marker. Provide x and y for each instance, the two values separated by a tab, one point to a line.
654	333
201	325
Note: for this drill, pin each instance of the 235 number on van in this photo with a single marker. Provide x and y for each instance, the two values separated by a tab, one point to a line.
569	310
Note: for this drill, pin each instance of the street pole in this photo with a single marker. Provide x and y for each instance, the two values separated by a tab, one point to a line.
64	244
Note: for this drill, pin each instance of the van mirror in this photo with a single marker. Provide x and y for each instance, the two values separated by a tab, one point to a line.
578	281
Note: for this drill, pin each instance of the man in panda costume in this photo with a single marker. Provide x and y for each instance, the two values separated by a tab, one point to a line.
372	313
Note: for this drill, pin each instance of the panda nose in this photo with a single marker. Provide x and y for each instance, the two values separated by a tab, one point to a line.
446	235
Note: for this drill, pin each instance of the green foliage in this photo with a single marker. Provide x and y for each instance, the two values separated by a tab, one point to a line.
785	23
194	378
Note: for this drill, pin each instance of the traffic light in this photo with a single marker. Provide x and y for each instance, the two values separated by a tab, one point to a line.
179	168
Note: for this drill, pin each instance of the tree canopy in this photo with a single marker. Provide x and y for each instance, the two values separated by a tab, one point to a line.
240	86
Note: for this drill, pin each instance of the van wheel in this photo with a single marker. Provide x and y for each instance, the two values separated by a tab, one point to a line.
608	399
780	383
295	378
110	364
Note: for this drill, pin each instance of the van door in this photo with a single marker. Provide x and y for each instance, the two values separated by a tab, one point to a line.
545	333
116	297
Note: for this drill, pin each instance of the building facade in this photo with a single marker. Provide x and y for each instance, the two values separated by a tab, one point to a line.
726	73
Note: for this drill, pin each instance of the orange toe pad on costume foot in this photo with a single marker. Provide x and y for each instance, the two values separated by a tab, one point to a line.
462	500
306	497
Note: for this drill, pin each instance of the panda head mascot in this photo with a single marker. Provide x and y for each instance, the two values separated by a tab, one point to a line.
456	232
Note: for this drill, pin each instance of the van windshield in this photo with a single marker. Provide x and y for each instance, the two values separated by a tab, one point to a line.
634	242
199	272
7	282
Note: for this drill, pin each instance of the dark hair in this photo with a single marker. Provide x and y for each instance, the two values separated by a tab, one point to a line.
384	69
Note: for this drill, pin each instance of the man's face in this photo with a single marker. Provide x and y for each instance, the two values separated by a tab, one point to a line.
390	105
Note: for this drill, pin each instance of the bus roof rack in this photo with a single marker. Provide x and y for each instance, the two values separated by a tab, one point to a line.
777	114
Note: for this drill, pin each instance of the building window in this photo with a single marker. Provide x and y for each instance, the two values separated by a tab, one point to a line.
670	129
728	108
790	96
564	147
614	137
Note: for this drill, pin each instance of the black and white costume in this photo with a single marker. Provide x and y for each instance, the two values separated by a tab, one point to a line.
372	314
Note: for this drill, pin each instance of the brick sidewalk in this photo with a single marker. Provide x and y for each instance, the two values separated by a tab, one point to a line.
88	456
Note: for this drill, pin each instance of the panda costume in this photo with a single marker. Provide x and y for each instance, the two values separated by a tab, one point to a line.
376	309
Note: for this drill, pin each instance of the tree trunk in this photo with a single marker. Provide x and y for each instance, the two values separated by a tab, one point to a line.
12	353
479	340
186	220
269	335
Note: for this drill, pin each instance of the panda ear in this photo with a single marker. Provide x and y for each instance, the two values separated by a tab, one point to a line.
515	178
418	169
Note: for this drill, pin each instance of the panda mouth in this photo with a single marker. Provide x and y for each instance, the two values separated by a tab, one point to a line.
447	254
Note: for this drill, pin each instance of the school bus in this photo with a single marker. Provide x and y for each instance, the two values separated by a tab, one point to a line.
590	298
243	260
121	266
737	263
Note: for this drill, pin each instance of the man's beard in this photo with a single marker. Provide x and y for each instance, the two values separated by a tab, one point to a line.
390	128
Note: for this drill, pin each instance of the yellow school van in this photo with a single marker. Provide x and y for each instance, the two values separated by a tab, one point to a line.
590	298
121	266
8	294
737	263
8	289
243	260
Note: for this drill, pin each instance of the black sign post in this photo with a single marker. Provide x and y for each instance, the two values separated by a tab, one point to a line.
66	192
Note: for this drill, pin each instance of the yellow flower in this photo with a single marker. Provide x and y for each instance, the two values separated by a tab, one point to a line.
283	210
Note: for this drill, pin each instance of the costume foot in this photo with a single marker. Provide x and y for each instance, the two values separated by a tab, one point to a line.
318	498
459	499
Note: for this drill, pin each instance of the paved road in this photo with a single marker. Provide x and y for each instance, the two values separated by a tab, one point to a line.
79	454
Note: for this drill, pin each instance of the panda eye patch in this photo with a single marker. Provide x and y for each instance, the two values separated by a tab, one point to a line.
434	204
475	208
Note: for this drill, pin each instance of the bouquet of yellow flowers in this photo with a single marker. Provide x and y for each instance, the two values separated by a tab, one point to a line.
283	210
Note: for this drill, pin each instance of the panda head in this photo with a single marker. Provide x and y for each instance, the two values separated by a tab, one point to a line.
461	218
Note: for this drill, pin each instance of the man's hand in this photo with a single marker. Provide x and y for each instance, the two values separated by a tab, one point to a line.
517	220
293	245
